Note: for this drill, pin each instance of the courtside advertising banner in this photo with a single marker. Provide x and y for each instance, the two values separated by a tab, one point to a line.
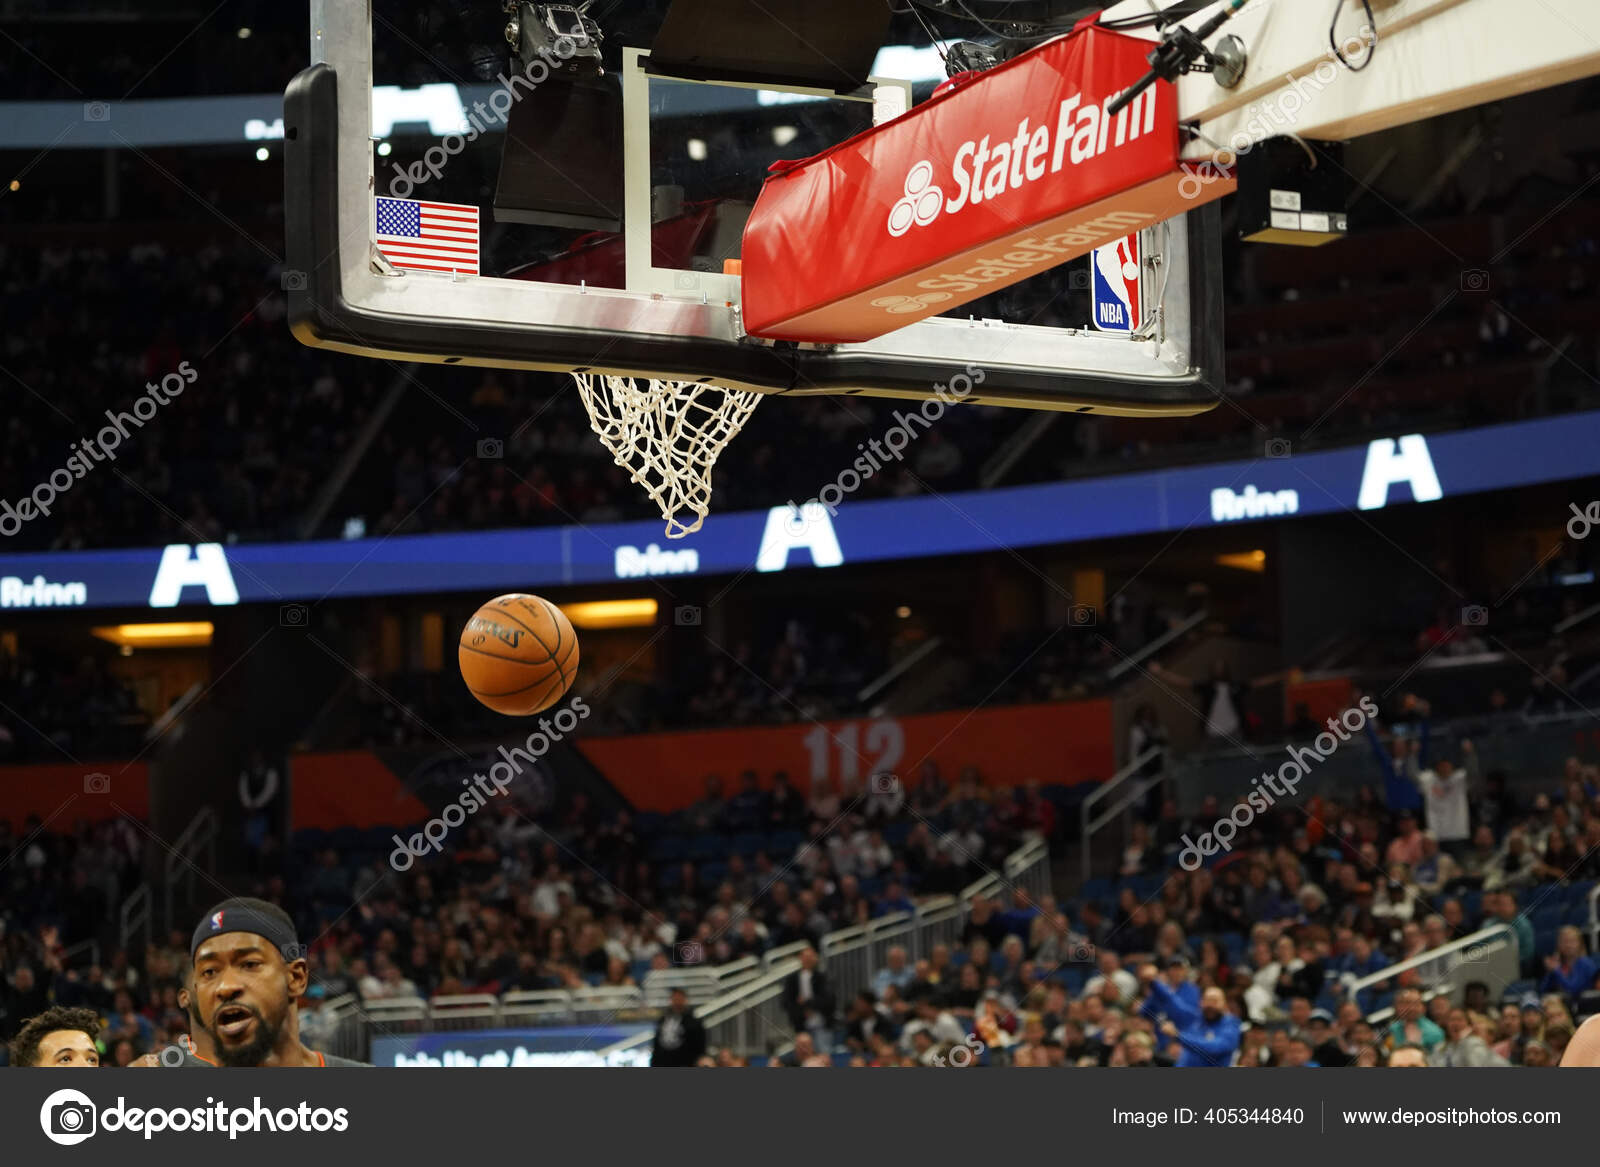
1010	173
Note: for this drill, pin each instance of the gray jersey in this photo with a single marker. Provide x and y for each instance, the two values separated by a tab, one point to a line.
179	1056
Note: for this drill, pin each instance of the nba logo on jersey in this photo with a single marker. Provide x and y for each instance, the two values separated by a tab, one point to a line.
216	921
1114	280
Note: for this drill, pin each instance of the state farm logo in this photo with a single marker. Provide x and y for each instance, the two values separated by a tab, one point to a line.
922	203
993	167
1079	131
904	305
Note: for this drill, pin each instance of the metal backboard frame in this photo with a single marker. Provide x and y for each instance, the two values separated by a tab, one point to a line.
340	299
643	276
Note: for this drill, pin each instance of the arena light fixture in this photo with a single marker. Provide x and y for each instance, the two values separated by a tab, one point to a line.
178	634
1244	560
589	614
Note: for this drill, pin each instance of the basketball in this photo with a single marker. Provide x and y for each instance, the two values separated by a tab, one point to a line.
519	654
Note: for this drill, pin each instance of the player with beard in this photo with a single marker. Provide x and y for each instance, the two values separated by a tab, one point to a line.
194	1048
247	974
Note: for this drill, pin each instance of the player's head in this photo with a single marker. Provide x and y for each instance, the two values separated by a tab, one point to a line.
200	1041
1408	1057
248	972
1213	1004
58	1038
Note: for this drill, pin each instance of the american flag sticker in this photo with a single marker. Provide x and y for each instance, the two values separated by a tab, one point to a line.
422	236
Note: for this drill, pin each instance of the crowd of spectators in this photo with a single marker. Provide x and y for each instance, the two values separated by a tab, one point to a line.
59	890
237	453
55	707
1271	956
556	896
1261	959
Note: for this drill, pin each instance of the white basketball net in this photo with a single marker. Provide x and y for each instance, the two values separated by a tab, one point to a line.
667	435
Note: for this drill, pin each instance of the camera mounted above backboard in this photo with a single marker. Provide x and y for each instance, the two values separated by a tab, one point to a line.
544	32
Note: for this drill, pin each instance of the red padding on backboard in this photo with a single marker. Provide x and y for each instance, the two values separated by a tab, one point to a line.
884	229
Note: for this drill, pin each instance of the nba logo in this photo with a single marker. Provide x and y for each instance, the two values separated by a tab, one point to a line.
216	921
1114	279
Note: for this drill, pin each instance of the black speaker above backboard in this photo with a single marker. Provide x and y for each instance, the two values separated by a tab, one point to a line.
818	44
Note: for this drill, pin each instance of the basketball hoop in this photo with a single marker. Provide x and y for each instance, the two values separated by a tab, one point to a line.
667	435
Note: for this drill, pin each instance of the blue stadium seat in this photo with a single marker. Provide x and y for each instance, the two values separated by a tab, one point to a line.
712	874
783	844
1146	886
896	834
1547	914
647	823
379	838
748	843
1516	990
1098	889
668	849
311	839
707	847
1074	977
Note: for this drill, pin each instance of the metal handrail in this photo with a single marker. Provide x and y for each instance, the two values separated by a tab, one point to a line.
1142	654
173	712
732	969
732	1002
1478	939
92	947
987	886
464	1003
747	989
784	952
134	917
199	837
1089	826
900	668
1025	856
1594	918
1577	618
395	1008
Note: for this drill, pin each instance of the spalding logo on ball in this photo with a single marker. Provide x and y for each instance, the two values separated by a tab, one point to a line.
519	654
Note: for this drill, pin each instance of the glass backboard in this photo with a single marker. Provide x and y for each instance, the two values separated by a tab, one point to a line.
641	183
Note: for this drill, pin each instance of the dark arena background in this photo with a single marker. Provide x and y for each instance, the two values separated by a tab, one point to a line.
1258	732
